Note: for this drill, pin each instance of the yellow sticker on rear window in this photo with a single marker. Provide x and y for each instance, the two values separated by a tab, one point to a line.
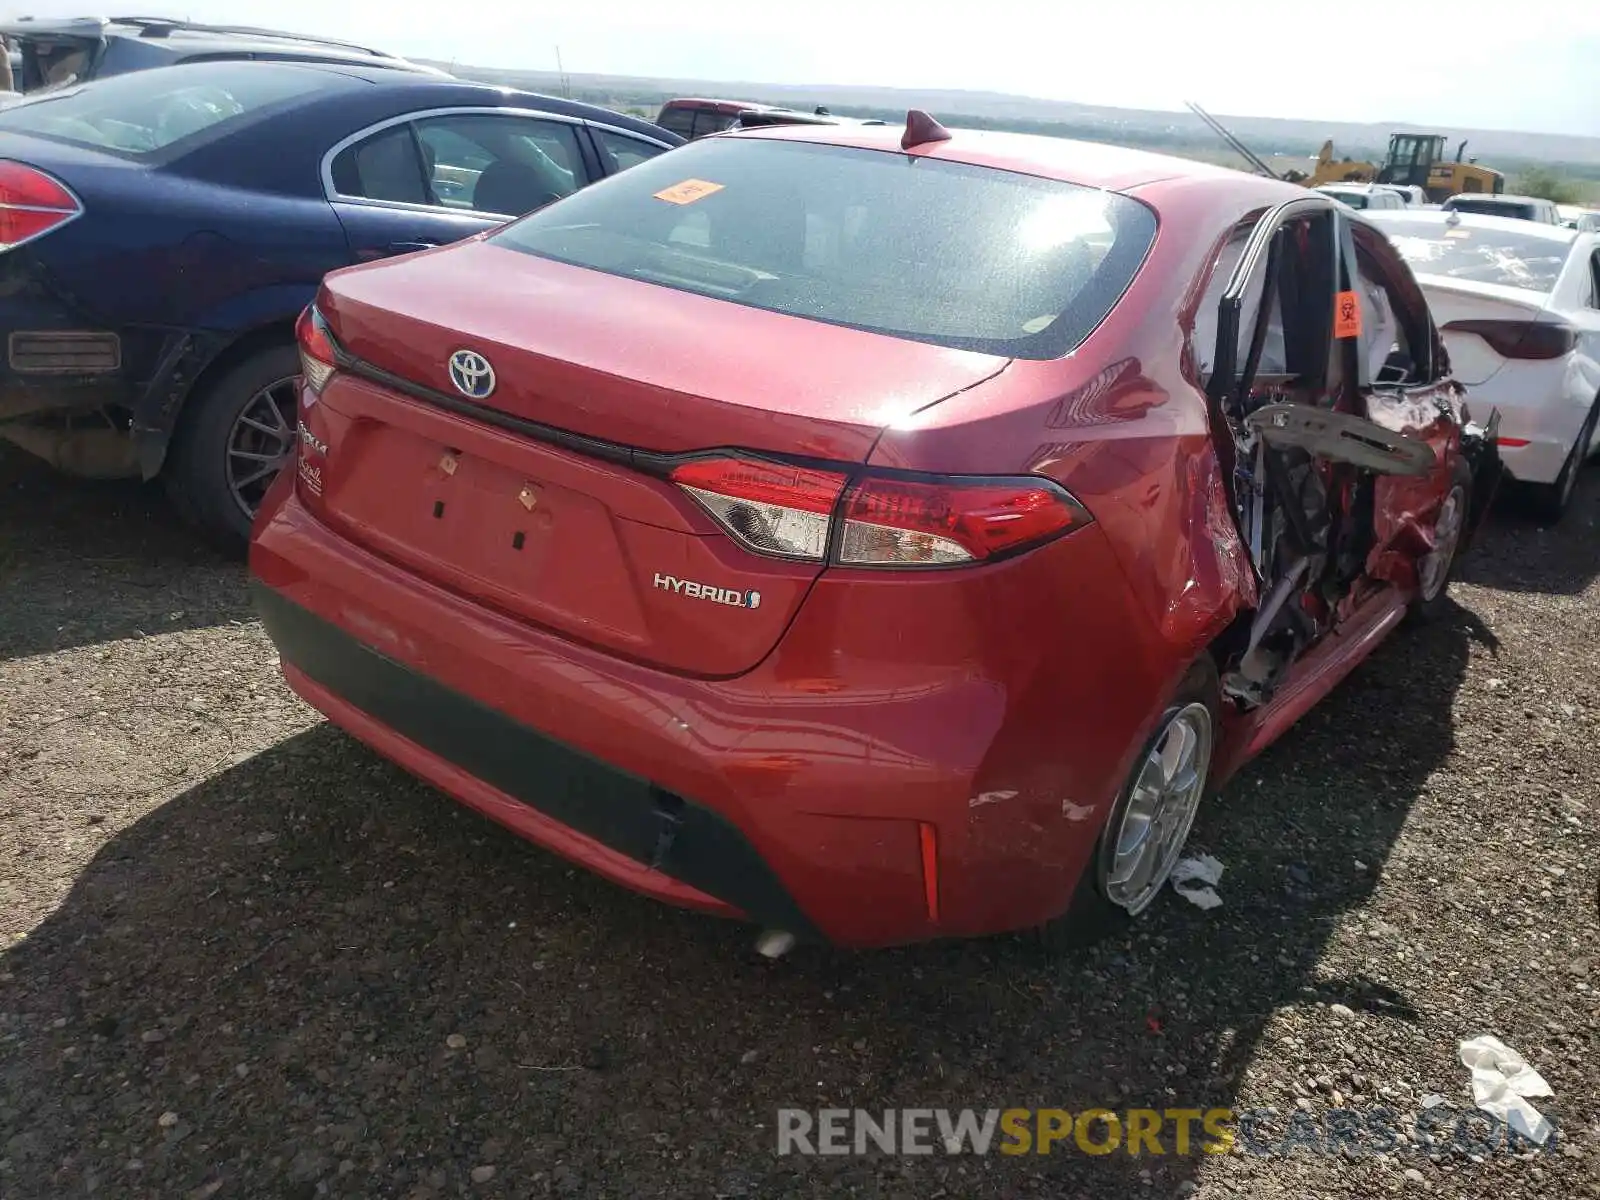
1457	233
688	191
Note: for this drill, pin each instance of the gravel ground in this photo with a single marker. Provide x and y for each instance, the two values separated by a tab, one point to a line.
242	956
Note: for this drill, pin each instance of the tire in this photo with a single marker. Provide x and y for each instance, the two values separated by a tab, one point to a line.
1097	911
207	473
1550	501
1433	584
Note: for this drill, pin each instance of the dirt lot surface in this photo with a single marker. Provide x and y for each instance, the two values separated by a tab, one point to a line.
242	956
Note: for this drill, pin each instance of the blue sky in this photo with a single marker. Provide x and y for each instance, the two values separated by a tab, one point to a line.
1458	64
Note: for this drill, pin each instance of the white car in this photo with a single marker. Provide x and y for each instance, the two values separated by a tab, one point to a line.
1584	220
1368	197
1518	303
1526	208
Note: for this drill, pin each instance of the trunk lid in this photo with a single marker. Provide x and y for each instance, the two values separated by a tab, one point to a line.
638	363
577	540
1472	360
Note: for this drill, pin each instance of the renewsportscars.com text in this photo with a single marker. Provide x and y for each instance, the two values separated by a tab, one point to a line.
1146	1131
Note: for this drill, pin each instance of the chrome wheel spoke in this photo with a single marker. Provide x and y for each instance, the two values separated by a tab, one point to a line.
1175	747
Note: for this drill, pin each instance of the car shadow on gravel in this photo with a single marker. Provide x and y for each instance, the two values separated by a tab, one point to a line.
1518	553
88	562
312	975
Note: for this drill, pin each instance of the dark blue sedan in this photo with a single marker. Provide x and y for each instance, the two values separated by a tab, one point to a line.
161	231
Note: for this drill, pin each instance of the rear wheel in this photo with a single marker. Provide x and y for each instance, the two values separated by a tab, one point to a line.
1551	500
1149	824
234	438
1437	568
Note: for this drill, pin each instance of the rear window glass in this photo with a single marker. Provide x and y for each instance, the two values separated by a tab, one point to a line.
1499	256
933	251
145	112
1493	208
679	120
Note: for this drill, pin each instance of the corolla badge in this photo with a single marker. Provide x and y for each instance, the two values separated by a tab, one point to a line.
472	374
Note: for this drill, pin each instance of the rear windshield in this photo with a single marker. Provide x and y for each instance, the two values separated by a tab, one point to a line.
679	120
932	251
145	112
1500	256
1493	208
1353	199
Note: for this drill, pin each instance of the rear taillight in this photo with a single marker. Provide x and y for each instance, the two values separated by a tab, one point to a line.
316	349
883	521
893	522
770	507
31	204
1521	339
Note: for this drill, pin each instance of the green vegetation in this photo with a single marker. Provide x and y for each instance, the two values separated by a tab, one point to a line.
1543	182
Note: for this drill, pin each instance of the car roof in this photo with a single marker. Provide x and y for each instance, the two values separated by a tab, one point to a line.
1454	220
1090	164
451	90
159	30
716	105
1497	198
800	116
406	90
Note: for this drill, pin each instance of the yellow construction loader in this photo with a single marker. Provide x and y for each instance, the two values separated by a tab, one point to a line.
1414	158
1418	158
1331	170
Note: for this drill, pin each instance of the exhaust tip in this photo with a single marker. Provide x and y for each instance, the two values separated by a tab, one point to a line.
774	943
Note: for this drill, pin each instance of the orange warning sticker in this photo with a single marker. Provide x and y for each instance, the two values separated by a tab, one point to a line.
1457	233
1346	316
688	191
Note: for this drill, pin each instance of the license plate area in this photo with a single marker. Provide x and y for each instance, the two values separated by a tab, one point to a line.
488	520
513	539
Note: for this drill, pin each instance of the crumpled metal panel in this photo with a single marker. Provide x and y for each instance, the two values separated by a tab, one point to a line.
1406	506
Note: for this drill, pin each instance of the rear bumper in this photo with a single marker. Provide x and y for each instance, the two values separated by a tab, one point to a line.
62	356
1539	461
619	824
796	795
1541	411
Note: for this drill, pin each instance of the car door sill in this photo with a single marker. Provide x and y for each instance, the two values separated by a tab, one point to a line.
1318	672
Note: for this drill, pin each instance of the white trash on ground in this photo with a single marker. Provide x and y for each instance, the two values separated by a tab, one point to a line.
1501	1082
1195	880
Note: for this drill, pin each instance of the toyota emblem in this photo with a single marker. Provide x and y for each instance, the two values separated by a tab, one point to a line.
472	374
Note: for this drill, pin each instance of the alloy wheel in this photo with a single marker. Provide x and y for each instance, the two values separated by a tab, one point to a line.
1434	570
1160	810
261	443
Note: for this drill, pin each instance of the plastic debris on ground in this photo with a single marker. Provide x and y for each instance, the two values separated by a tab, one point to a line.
1502	1081
1195	879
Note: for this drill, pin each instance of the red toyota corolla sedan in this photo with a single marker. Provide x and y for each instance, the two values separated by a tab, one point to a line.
875	534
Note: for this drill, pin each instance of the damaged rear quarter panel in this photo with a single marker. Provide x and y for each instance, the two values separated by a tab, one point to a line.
1406	506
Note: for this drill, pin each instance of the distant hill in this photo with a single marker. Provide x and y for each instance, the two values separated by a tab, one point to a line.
1177	132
